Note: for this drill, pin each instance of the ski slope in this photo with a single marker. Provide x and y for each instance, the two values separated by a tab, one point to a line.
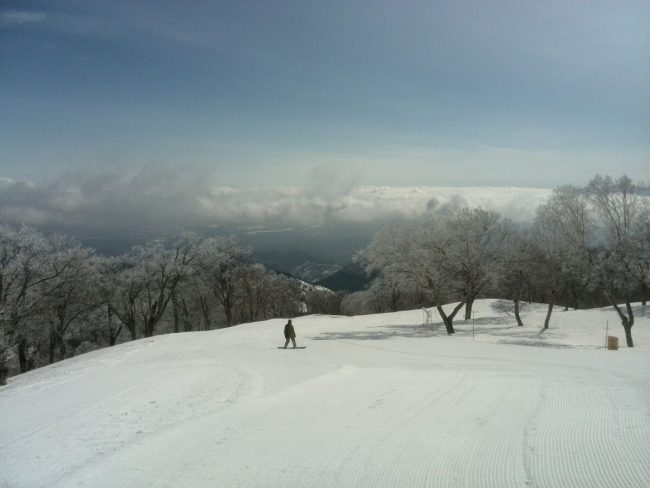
373	401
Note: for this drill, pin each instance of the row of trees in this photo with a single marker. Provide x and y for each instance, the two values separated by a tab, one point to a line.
584	242
56	294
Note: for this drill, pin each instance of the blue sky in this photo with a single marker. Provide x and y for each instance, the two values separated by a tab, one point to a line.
260	93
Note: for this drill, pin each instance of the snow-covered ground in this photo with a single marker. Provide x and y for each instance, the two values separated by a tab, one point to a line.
374	401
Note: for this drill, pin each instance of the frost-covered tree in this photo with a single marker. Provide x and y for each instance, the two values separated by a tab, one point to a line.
642	268
516	267
201	298
181	312
284	296
128	287
613	275
160	271
322	301
620	209
108	291
71	295
475	237
252	292
219	262
384	295
356	303
451	256
562	231
416	255
24	269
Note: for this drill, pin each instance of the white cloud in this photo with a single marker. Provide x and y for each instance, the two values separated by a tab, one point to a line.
184	199
20	17
6	182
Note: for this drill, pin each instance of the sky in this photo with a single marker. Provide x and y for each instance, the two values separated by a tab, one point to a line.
260	94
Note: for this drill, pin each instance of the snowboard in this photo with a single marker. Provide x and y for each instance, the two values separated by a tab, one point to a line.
289	347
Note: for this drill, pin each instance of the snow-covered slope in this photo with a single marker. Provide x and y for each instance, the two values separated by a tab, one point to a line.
374	401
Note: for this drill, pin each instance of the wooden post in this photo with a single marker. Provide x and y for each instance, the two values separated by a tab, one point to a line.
612	343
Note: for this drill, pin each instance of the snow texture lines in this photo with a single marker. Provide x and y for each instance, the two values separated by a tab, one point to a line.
603	445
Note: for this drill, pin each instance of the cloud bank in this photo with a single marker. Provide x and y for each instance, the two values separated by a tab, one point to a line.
184	200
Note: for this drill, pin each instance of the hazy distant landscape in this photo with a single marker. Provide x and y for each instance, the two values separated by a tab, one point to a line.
290	229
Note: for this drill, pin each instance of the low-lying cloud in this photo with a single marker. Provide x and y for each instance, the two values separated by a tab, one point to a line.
184	200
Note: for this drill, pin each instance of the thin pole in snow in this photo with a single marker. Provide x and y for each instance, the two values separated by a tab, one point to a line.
473	313
606	333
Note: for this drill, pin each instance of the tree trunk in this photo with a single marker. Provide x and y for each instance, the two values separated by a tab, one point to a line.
628	335
22	354
204	312
187	321
630	313
207	317
394	299
207	320
175	312
519	322
448	320
61	347
251	308
449	323
149	326
32	357
548	315
468	308
228	311
4	372
52	345
113	333
627	325
575	298
626	321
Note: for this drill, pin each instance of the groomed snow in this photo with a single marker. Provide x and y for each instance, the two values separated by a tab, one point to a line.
374	401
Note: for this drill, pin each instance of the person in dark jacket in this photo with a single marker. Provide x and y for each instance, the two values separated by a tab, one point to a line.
289	334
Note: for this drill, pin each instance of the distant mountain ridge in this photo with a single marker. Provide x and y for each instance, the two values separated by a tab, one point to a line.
315	272
349	278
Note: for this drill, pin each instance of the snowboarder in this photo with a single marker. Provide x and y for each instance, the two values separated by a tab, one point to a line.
289	334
